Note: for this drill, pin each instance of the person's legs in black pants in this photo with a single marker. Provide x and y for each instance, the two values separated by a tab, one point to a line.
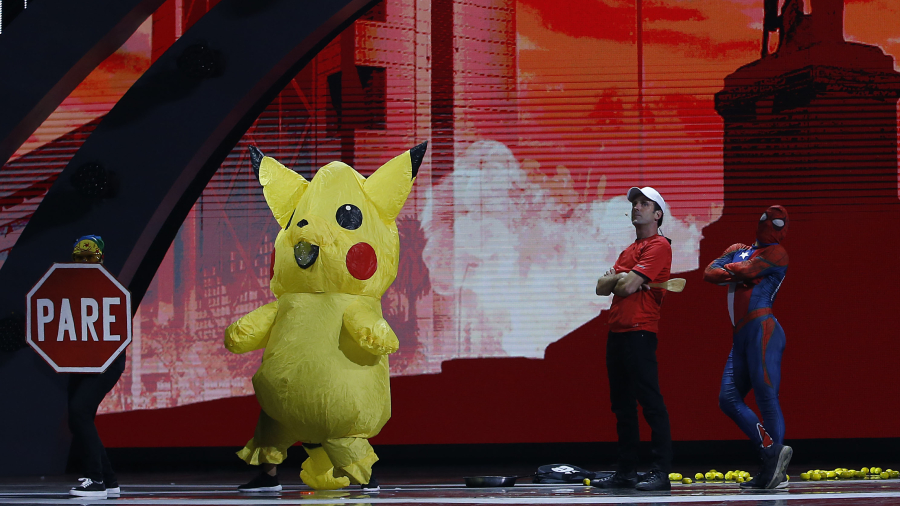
623	400
86	392
642	363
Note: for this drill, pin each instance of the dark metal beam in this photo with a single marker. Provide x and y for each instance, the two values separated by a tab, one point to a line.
148	161
52	46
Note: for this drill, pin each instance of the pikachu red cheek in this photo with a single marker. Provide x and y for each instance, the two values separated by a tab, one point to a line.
362	261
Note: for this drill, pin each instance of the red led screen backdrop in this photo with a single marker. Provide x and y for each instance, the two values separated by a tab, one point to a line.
539	116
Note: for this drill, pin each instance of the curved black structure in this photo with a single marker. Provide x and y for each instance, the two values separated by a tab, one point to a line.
137	176
49	49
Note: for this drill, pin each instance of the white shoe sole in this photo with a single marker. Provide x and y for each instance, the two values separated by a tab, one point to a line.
784	458
82	493
276	488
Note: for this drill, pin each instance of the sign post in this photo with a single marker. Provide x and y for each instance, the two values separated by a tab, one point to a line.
79	318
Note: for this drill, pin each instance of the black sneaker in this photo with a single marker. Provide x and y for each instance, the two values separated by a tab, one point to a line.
753	482
112	486
772	473
780	467
262	483
370	487
88	488
756	480
615	480
653	481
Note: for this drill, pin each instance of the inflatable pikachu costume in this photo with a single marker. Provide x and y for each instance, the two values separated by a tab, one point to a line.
324	377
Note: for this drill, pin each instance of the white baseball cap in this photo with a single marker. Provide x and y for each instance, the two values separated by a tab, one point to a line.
650	193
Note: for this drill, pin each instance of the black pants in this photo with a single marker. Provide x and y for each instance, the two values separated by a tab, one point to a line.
633	378
86	392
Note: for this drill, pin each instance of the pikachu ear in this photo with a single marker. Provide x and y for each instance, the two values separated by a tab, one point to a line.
389	186
282	188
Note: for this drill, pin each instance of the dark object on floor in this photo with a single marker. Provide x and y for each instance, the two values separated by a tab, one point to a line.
491	481
563	473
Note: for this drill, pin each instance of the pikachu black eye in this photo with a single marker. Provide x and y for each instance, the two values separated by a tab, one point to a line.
349	216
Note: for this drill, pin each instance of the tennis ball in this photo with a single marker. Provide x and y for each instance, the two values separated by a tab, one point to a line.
739	479
815	476
698	476
830	474
729	475
885	475
710	476
865	470
686	481
720	476
804	476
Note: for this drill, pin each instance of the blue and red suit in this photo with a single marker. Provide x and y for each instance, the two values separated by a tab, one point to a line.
753	275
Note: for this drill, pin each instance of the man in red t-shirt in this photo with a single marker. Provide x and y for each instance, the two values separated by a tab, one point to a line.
631	345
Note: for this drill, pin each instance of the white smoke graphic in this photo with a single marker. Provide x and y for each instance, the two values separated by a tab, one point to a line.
517	261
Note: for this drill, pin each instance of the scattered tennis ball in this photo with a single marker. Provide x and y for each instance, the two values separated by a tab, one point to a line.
815	476
830	474
698	476
865	470
739	479
710	476
729	475
804	476
687	481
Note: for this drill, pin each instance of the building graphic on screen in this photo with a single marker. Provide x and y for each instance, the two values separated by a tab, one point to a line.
392	78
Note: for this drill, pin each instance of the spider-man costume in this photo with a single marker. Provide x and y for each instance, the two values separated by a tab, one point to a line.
753	275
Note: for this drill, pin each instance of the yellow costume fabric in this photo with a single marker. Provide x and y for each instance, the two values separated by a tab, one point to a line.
324	377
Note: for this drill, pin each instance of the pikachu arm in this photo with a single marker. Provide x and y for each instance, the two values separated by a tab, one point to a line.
251	331
369	329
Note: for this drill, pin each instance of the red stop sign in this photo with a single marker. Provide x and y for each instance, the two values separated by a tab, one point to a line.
79	318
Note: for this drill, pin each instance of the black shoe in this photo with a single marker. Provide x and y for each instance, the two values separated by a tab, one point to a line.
88	488
262	483
370	487
780	468
653	481
772	473
112	486
615	480
756	480
753	482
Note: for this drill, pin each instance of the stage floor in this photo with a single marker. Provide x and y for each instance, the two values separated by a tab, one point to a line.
433	486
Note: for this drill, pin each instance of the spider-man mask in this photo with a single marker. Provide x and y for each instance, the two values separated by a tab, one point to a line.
773	225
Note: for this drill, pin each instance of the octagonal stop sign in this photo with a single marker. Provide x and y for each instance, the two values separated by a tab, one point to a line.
79	317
